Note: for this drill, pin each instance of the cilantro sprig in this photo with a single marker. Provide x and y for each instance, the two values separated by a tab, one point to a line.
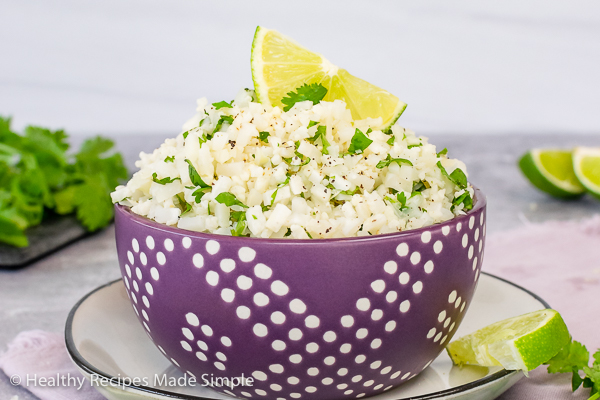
38	174
314	92
574	358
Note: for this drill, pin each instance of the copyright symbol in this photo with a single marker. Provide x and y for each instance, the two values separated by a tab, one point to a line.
15	380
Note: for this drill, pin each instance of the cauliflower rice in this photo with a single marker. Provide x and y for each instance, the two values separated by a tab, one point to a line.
300	174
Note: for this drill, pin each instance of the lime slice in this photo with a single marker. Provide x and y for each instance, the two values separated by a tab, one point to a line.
518	343
586	164
280	65
552	172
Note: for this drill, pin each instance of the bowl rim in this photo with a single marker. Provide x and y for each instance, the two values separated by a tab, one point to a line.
125	211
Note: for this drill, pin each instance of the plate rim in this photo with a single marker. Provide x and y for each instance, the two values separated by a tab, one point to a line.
83	364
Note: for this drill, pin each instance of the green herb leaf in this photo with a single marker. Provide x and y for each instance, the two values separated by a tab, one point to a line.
410	146
263	136
388	160
321	133
223	104
184	206
185	134
350	192
573	356
457	176
359	142
402	200
229	200
465	199
224	118
170	159
442	152
195	176
314	92
391	140
198	193
163	181
312	123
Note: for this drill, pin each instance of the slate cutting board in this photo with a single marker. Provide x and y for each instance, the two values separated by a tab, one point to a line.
55	232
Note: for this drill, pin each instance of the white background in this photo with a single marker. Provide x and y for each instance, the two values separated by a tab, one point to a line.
124	67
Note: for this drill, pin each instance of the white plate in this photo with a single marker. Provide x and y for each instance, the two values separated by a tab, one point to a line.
105	340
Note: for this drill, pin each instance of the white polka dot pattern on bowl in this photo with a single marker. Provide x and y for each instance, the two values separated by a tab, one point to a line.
309	348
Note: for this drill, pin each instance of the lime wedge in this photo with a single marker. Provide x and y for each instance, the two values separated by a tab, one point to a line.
518	343
586	164
280	65
552	172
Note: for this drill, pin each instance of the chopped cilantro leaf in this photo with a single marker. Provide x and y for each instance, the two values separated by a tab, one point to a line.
359	142
223	104
410	146
163	181
263	136
314	92
185	134
195	176
303	159
350	192
388	160
457	176
170	159
229	200
198	193
312	123
202	139
184	206
282	184
442	152
391	140
322	133
288	233
418	187
224	118
402	200
465	199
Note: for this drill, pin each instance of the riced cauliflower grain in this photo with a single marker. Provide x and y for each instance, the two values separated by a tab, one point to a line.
255	170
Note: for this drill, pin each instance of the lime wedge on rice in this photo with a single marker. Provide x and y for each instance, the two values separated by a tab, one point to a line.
552	172
280	65
518	343
586	164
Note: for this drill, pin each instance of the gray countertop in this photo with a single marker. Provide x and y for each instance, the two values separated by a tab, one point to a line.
41	295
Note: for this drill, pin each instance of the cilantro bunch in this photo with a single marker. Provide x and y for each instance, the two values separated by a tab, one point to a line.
574	358
37	175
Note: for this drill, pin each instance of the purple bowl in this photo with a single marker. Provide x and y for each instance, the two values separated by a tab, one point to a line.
311	319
